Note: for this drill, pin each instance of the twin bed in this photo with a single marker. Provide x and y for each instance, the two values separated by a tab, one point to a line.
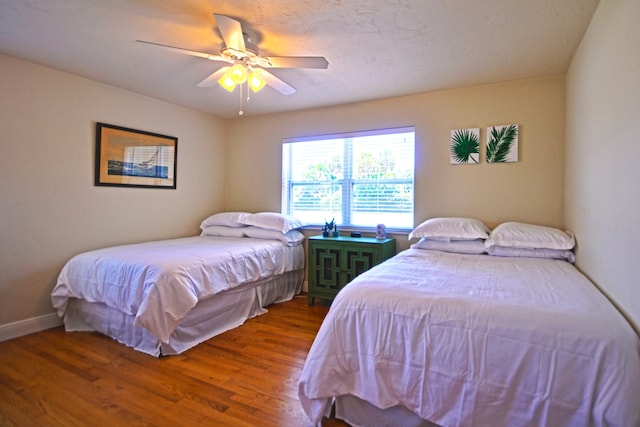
471	329
164	297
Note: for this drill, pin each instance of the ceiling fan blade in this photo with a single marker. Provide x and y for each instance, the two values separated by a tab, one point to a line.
212	80
185	51
231	31
298	62
276	83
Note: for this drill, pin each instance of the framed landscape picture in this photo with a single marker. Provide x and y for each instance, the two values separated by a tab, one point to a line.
133	158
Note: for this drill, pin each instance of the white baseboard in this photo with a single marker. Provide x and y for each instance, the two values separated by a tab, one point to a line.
29	326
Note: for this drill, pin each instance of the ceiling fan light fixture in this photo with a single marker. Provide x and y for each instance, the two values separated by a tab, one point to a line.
227	81
256	82
238	73
244	61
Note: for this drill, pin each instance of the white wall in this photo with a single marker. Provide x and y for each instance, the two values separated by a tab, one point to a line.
49	206
530	190
603	153
50	209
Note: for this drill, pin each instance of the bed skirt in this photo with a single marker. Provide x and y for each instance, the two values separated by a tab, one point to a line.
210	317
358	412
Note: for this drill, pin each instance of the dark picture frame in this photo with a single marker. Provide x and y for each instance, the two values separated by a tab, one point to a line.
133	158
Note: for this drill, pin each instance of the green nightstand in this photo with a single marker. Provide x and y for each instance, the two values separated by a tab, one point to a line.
335	261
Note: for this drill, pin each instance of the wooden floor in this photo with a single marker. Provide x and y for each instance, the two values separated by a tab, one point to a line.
245	377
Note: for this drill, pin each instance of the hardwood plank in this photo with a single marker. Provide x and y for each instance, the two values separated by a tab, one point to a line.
16	409
245	377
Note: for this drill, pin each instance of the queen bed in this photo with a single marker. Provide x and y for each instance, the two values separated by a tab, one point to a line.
475	330
164	297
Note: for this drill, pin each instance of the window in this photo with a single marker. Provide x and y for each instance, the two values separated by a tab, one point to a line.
360	179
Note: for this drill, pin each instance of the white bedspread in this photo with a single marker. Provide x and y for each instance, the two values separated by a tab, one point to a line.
477	340
160	282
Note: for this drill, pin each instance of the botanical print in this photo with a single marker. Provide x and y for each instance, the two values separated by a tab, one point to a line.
502	144
465	146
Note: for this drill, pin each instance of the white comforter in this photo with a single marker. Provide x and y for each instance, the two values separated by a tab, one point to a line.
477	340
160	282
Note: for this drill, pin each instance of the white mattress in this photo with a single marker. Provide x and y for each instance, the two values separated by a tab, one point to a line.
159	283
477	340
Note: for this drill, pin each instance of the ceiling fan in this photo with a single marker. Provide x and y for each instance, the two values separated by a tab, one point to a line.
246	63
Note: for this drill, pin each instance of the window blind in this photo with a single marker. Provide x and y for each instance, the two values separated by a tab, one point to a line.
360	179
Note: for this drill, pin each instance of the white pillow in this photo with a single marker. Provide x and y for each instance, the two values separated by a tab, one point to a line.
507	251
222	231
446	229
520	235
272	221
457	246
290	238
227	219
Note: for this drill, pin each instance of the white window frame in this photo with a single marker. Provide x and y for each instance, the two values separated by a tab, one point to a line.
347	182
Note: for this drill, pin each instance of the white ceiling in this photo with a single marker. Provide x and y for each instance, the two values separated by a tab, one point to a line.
375	48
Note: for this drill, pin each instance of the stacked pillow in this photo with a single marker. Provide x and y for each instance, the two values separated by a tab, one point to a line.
516	239
261	225
459	235
510	239
224	224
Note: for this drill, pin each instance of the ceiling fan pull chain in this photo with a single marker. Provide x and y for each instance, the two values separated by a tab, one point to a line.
241	112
